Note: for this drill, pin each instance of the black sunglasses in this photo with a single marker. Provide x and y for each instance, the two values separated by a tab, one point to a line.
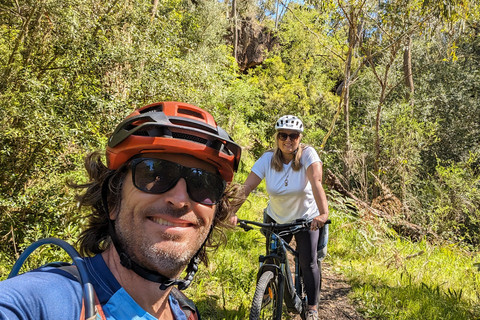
283	136
158	176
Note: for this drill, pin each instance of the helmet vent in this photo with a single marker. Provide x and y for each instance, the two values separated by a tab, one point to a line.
190	113
154	108
152	131
184	136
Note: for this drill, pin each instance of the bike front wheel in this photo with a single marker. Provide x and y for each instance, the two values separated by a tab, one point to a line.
266	303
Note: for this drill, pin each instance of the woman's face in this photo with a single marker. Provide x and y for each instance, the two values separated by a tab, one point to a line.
288	141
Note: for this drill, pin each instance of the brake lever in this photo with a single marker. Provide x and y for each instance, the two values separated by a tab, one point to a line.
308	224
244	226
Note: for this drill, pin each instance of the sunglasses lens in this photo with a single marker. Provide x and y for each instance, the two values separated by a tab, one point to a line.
155	176
205	187
283	136
158	176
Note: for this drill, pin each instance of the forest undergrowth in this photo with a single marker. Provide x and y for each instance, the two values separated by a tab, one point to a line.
396	107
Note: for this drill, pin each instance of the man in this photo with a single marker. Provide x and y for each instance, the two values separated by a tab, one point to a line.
154	206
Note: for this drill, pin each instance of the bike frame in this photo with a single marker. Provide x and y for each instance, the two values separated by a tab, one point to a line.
276	259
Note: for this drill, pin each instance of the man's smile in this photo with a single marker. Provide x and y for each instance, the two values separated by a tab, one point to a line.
168	223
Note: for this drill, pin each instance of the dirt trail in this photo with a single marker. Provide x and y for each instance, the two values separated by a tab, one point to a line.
334	301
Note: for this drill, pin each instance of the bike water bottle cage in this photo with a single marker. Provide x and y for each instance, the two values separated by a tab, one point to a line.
158	176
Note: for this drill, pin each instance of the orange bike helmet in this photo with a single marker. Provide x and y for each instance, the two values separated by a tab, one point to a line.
174	127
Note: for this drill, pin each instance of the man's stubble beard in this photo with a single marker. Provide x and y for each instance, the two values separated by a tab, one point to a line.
170	257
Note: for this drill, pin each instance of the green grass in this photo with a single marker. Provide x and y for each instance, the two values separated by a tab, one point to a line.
393	278
225	288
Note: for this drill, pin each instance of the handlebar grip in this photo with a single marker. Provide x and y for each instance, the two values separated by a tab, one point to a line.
245	226
328	221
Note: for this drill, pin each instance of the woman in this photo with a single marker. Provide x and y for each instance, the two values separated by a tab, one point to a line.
293	176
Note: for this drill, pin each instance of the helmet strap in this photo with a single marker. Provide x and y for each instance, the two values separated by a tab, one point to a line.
150	275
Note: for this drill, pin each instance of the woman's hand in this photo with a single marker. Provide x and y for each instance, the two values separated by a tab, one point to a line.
233	220
250	184
318	222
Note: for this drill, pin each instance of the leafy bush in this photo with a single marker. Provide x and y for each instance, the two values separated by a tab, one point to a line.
453	204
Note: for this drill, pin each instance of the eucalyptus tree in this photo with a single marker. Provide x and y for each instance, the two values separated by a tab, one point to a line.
297	77
383	48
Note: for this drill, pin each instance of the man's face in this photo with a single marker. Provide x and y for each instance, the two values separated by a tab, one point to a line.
162	232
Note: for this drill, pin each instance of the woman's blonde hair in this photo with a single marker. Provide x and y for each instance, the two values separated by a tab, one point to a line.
278	160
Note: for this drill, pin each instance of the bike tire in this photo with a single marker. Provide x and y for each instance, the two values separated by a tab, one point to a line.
267	286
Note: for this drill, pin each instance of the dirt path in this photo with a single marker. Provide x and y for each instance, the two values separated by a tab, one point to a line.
334	301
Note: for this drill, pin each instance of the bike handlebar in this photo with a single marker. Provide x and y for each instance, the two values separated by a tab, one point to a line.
293	227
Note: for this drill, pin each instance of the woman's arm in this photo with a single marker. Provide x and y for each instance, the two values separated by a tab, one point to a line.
314	174
250	184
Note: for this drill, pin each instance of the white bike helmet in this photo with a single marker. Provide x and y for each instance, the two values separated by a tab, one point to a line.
289	122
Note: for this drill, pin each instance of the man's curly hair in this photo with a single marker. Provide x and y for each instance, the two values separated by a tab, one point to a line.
95	238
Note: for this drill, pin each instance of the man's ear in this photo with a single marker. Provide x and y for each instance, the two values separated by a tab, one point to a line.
113	214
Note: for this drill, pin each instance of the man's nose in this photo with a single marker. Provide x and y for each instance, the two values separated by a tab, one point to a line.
178	196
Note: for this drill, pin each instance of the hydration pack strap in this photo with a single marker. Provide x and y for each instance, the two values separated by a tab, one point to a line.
71	269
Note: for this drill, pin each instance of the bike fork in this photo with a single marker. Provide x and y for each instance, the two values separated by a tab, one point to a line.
281	291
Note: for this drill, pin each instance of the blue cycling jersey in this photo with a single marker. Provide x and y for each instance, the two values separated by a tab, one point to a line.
50	293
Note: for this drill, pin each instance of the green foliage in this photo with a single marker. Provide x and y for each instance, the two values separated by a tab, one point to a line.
404	137
453	210
70	73
295	80
393	278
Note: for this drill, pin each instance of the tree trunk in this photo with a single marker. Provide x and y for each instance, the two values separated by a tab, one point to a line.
353	41
276	14
154	8
235	29
346	109
407	69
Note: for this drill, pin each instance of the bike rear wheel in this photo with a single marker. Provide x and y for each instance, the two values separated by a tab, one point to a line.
266	303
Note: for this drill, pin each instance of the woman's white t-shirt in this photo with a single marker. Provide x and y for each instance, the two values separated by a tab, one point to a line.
290	192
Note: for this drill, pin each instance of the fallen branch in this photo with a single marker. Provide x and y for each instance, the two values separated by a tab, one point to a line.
401	226
415	255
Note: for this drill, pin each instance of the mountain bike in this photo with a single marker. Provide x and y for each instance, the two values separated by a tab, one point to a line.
275	282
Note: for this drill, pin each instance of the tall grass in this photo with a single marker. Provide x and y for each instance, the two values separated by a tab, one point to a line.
394	278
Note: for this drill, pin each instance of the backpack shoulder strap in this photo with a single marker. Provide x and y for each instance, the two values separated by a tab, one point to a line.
187	305
71	269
